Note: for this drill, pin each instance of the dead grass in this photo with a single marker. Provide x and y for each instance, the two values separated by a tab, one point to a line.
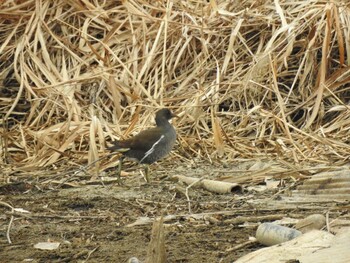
248	79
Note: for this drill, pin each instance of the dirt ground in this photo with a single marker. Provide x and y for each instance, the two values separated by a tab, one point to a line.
94	221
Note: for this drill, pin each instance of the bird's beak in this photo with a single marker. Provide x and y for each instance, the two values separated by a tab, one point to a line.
174	115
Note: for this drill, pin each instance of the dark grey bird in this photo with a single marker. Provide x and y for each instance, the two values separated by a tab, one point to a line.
149	145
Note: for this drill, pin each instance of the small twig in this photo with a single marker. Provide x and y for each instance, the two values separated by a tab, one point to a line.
245	244
8	230
283	190
84	169
186	193
90	252
11	220
58	216
241	219
6	204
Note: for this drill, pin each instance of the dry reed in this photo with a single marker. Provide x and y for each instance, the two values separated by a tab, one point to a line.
248	79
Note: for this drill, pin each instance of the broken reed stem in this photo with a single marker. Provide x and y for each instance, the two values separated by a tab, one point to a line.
156	249
188	197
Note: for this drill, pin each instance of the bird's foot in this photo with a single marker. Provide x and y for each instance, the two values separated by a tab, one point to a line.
120	182
119	171
146	175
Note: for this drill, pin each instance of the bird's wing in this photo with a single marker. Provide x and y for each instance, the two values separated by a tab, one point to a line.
143	141
146	139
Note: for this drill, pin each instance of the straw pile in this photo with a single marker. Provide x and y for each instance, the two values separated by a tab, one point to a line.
248	78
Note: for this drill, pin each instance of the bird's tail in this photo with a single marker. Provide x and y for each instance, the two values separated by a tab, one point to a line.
118	146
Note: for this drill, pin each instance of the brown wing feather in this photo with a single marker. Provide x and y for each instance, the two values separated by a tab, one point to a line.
142	141
145	139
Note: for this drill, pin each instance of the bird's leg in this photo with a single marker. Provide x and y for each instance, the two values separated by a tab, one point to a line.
119	170
147	173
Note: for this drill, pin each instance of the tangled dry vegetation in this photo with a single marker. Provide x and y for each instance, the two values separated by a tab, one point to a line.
247	78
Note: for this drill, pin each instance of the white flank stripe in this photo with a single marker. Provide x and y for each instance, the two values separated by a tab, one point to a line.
152	149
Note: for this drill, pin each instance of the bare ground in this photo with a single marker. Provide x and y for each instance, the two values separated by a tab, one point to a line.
92	222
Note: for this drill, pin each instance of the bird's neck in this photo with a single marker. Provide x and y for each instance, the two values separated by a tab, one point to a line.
162	122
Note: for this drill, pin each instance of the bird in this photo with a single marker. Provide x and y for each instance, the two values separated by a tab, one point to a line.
149	145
